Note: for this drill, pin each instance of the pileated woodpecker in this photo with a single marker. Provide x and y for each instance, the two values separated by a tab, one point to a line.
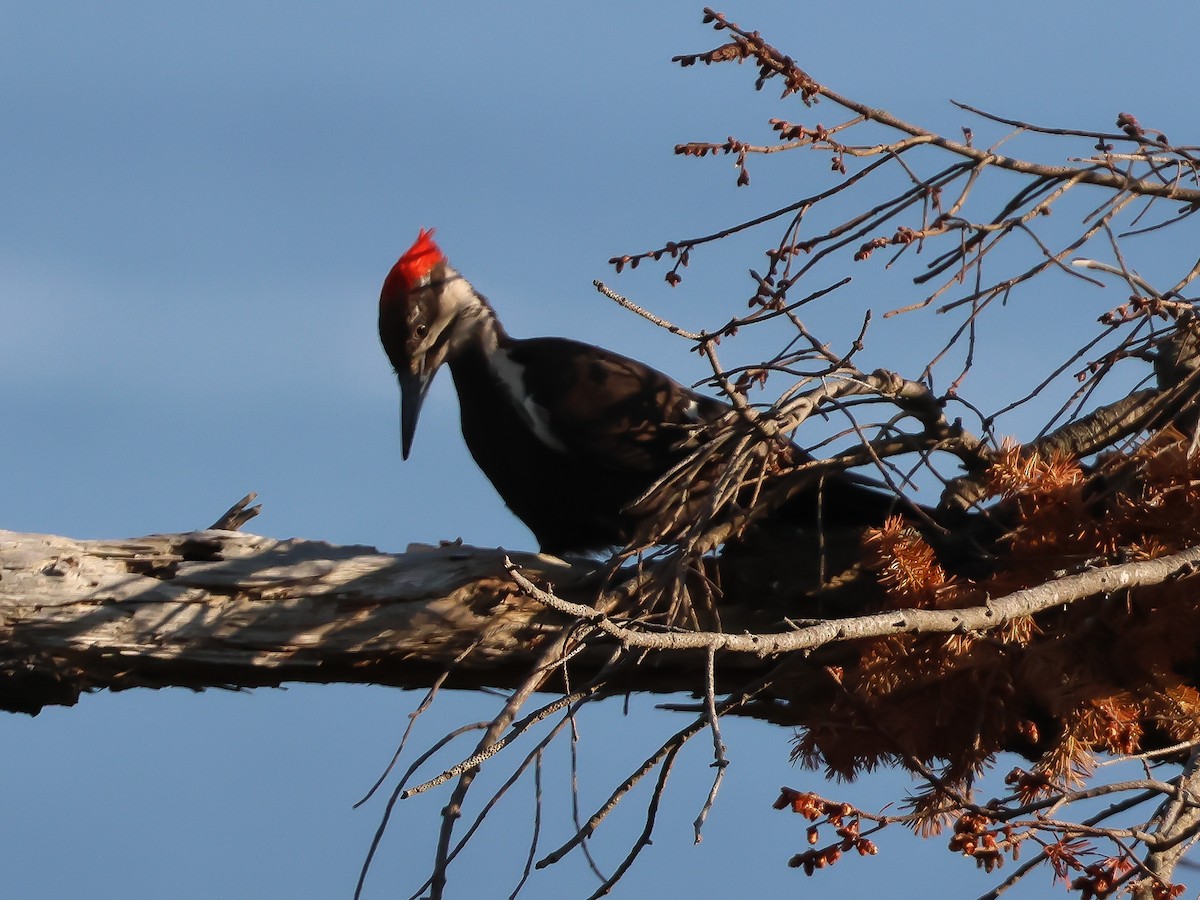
568	433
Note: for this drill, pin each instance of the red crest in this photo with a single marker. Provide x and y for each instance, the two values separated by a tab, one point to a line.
419	260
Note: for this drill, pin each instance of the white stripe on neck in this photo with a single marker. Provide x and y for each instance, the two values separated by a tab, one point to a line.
511	374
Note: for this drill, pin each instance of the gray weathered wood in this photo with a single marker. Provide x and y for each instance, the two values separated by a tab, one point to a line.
229	609
234	610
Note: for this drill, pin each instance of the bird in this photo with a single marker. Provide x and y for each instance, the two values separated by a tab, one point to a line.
569	434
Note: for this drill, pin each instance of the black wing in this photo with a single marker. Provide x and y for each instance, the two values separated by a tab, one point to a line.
614	411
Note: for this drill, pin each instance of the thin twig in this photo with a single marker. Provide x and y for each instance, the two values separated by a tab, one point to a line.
720	761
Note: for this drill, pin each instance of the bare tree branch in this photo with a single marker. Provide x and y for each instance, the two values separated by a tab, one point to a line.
998	612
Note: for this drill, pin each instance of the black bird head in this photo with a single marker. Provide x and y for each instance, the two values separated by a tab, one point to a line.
421	323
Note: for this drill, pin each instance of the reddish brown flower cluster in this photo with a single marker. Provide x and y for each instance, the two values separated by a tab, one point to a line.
902	238
975	836
1099	675
789	131
1028	785
1102	878
750	45
677	252
845	820
1136	307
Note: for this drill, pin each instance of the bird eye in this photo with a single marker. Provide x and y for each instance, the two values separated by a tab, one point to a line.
421	330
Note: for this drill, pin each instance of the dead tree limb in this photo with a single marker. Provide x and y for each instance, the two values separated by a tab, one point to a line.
225	609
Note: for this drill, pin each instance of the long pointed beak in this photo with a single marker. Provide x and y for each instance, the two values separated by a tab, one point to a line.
412	394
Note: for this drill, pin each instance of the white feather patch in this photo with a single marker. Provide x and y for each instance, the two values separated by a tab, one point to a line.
512	375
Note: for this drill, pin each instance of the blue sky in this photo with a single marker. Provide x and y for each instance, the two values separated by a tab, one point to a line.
199	205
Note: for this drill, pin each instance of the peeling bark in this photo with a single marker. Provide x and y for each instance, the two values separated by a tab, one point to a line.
226	609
